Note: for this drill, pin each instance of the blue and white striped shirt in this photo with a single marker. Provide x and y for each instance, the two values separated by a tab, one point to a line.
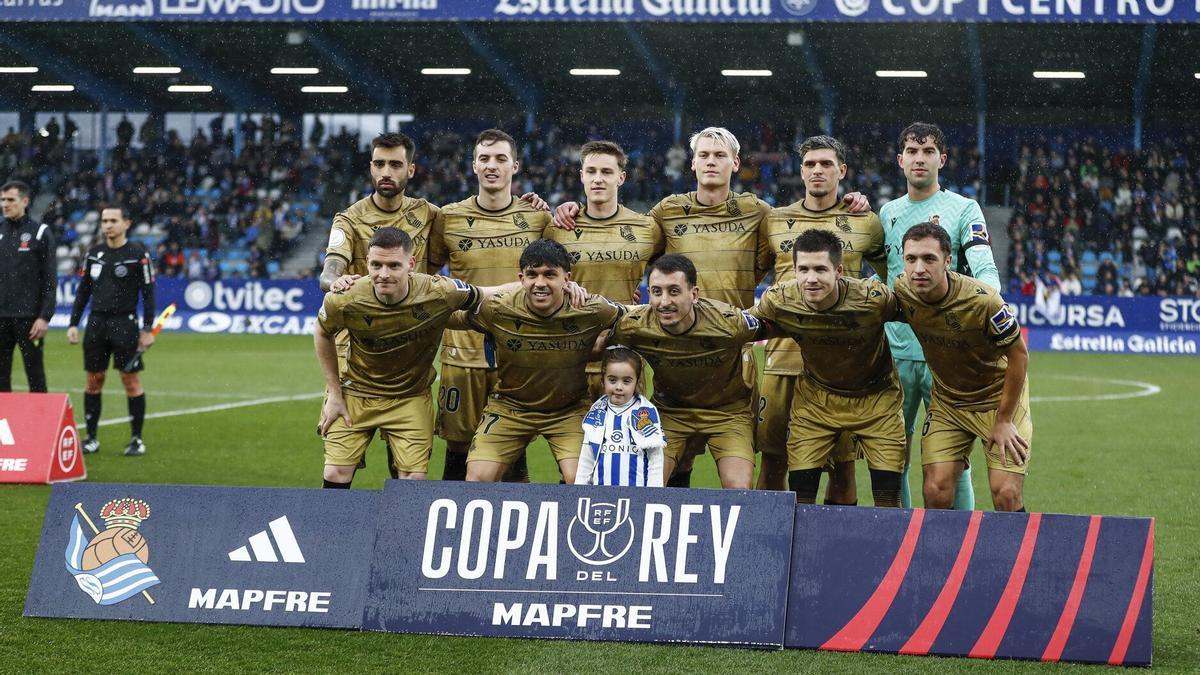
622	445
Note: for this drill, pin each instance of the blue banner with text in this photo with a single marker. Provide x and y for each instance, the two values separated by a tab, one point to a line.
635	564
254	306
1113	325
263	556
718	11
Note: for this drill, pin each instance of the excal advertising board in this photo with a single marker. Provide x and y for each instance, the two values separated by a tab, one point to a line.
236	306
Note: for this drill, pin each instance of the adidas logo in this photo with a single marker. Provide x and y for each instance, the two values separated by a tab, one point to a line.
261	549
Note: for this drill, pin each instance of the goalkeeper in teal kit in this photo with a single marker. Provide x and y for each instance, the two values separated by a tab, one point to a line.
922	153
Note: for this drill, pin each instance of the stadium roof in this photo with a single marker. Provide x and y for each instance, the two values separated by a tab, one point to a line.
664	68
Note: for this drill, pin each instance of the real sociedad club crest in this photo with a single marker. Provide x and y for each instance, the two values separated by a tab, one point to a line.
111	566
601	532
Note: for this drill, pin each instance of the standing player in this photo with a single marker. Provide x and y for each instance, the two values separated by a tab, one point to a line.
27	282
394	320
392	166
922	154
696	347
979	362
822	167
610	244
114	274
392	157
719	230
849	385
482	237
540	345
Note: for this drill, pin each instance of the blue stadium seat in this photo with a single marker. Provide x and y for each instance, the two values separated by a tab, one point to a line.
273	267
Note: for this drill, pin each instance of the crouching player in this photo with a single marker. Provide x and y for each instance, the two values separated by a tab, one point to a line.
394	319
622	441
539	344
849	384
973	345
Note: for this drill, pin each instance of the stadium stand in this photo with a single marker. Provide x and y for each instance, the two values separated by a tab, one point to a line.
1106	220
1086	216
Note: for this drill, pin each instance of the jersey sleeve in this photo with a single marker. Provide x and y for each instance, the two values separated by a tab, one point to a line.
458	293
341	235
764	256
330	316
608	313
876	253
975	245
436	252
45	235
1002	327
83	292
149	309
884	301
748	326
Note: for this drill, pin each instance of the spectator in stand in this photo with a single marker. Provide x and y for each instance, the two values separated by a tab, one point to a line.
1071	283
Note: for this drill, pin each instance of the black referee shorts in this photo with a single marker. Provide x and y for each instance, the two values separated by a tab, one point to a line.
110	335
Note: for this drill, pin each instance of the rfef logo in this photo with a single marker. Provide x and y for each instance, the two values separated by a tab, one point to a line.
601	532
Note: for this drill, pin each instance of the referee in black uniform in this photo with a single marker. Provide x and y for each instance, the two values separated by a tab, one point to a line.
28	277
113	275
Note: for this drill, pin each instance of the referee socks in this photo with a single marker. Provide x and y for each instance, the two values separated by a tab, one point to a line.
91	413
137	414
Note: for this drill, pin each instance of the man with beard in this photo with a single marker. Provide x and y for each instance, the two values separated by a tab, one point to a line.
392	166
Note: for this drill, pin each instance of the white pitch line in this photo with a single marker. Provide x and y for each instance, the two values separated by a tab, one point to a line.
216	408
118	390
1143	389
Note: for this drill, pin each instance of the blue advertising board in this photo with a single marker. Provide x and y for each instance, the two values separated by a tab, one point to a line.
1104	324
261	556
979	584
254	306
723	11
591	563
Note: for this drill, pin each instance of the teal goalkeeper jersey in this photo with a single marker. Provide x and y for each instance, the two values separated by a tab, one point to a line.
963	220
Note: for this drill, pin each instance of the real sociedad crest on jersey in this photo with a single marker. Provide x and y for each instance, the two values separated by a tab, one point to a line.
111	566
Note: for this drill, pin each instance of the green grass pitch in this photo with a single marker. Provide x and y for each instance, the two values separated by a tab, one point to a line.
1094	452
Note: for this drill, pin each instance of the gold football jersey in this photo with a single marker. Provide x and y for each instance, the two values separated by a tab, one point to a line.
862	238
483	248
966	337
844	347
701	368
392	346
353	228
727	242
609	255
541	360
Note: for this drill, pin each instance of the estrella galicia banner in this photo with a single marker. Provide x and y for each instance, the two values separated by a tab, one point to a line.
250	306
978	584
1103	324
263	556
593	563
722	11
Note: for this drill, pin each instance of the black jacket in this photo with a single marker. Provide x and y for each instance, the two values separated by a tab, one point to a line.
28	269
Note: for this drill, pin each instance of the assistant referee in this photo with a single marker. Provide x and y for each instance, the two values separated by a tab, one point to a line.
113	275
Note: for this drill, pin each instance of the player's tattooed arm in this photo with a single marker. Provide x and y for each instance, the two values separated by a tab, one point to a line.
1004	437
334	277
